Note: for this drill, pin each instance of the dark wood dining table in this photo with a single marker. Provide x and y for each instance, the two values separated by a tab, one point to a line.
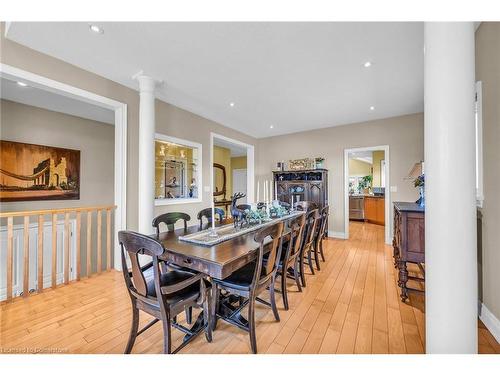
217	261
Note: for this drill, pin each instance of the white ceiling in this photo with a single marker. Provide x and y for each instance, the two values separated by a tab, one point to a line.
364	156
236	150
295	76
36	97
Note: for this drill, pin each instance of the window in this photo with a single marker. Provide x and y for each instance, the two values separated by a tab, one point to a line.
478	111
177	171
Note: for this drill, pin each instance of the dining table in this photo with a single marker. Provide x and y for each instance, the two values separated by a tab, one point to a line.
217	261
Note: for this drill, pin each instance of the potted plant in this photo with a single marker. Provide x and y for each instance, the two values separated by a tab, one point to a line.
365	184
420	183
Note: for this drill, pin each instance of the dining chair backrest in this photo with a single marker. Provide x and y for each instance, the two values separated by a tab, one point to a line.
306	206
207	213
297	227
265	270
323	222
135	244
169	219
312	219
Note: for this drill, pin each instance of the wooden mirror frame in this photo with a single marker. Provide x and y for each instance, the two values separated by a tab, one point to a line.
223	191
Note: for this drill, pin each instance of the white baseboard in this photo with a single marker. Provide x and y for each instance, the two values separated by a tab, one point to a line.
341	235
490	321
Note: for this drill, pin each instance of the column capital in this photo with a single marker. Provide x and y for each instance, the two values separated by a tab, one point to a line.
147	84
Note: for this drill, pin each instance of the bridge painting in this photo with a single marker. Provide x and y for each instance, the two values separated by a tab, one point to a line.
34	172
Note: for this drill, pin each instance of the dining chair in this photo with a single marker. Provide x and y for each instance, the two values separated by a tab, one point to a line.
250	281
163	295
306	205
307	249
289	265
322	231
169	219
207	213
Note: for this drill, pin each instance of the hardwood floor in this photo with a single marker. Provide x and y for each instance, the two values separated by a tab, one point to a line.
350	306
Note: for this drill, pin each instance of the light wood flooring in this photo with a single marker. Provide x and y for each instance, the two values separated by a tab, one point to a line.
350	306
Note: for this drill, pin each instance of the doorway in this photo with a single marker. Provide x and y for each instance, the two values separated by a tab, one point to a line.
234	172
367	187
119	121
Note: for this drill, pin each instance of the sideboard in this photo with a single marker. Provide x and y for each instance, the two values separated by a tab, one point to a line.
306	185
408	243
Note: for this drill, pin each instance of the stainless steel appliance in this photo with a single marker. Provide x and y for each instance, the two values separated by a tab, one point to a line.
356	207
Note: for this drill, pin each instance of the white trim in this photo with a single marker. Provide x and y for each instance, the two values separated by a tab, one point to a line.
334	234
479	144
250	163
199	173
120	109
388	226
490	321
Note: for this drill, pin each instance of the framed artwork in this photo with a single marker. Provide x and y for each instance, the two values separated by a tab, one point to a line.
34	172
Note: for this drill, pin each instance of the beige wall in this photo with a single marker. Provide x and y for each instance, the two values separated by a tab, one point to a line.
488	71
404	135
378	156
359	168
239	162
176	122
95	140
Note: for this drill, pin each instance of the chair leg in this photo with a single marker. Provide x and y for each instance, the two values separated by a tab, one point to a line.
283	289
273	301
251	324
167	344
133	330
302	275
189	314
207	312
321	250
309	260
296	276
316	256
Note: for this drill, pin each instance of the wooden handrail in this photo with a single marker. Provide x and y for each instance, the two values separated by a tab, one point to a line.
66	213
55	211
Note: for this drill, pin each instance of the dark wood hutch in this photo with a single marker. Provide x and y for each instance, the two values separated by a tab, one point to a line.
306	185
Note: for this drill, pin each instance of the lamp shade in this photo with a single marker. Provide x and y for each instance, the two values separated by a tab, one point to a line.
417	170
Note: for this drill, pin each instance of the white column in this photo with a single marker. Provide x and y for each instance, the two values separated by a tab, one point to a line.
146	152
450	218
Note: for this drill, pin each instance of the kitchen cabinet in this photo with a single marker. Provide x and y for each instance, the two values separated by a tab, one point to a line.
375	210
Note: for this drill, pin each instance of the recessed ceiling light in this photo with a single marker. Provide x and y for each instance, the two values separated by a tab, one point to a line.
372	108
271	126
367	64
96	29
231	104
22	84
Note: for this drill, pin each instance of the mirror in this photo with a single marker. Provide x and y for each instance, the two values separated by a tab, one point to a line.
219	180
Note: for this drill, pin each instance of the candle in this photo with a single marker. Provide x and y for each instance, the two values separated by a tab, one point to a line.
213	215
292	203
258	191
265	191
275	191
270	191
